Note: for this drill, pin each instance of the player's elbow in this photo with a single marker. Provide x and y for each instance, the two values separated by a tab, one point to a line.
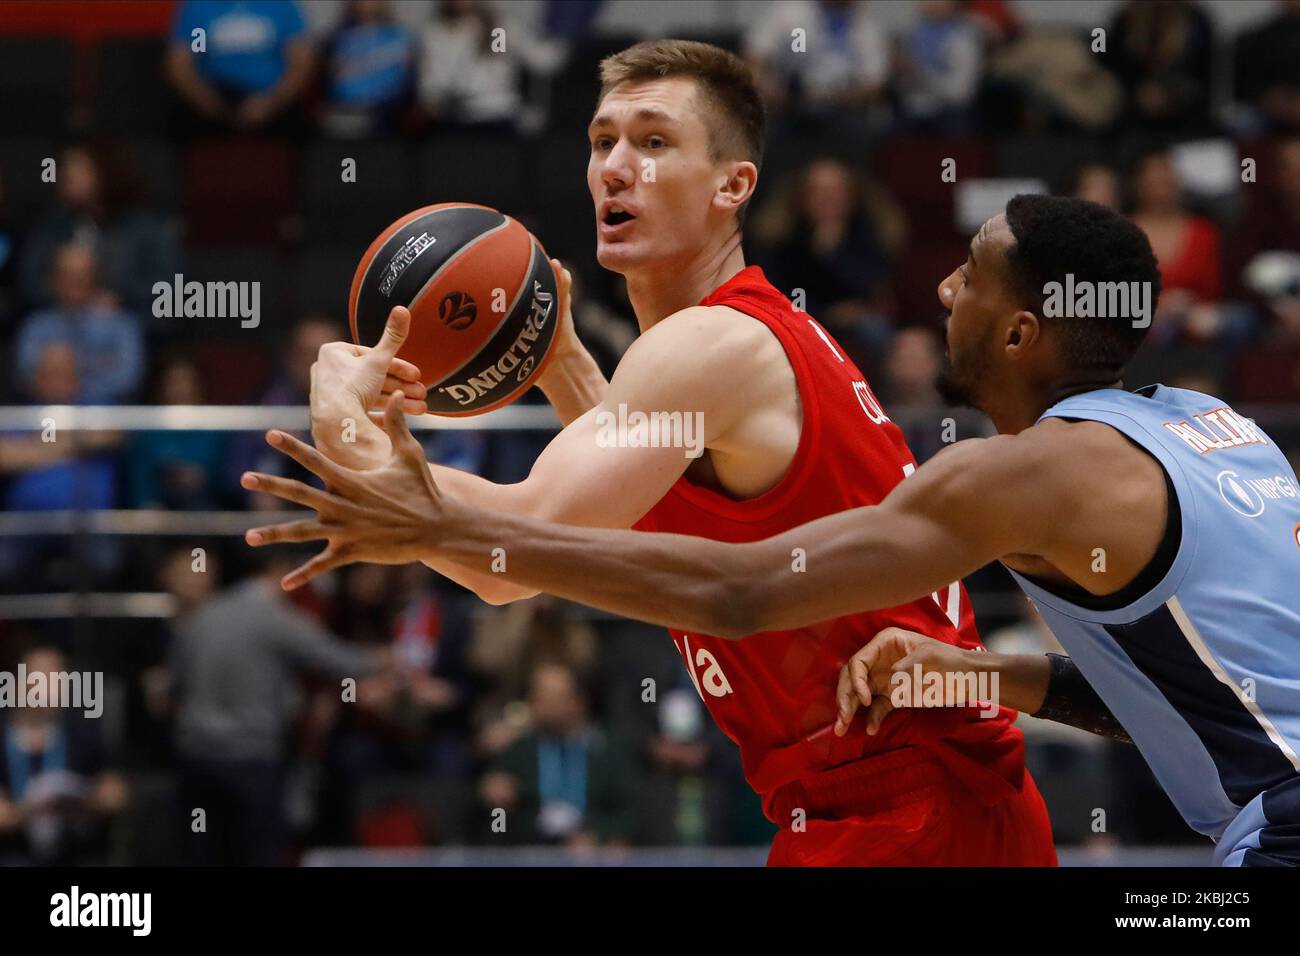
731	608
501	594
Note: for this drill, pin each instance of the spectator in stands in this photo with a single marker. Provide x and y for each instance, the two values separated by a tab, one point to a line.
1266	272
1272	221
57	792
411	720
255	64
509	643
234	668
564	781
939	68
830	235
100	205
57	470
291	386
369	72
173	468
1266	62
914	360
1162	52
469	76
683	799
107	342
1187	246
1096	182
1045	80
821	62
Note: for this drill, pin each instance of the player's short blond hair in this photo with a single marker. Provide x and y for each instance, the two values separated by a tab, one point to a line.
729	98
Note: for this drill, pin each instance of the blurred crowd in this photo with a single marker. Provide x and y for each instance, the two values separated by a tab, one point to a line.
387	707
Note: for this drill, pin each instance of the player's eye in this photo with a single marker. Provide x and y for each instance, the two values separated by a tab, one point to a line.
602	143
655	142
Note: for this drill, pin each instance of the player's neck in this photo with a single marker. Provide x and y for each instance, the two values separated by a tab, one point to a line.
658	291
1019	408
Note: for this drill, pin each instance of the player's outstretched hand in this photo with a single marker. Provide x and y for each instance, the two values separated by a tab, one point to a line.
383	515
370	375
866	679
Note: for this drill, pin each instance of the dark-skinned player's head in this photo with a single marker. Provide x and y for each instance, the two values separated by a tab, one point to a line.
1000	330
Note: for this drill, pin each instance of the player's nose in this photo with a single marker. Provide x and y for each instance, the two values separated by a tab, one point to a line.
948	288
617	167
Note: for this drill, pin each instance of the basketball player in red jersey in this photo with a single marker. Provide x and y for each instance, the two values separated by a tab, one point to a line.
791	433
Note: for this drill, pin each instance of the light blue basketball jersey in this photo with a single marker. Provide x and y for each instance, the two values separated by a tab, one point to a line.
1203	669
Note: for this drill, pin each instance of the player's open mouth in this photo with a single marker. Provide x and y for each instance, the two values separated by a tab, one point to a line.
616	217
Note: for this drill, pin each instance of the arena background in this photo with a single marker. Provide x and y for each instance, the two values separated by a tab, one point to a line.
121	165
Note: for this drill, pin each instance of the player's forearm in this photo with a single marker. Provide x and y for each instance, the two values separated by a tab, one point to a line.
1050	687
573	383
490	587
838	565
672	580
1021	678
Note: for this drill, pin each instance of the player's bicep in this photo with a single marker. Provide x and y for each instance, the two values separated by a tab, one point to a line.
601	472
610	466
977	501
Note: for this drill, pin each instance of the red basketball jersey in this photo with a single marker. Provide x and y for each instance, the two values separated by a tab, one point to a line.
774	693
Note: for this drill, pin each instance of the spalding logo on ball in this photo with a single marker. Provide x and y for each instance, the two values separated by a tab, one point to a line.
482	298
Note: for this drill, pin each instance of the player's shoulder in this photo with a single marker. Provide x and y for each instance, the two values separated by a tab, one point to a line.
1056	457
710	358
982	465
725	339
1071	443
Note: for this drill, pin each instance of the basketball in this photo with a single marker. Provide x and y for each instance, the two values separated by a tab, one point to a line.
482	298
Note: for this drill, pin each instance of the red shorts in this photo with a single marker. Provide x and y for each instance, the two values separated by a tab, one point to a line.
914	813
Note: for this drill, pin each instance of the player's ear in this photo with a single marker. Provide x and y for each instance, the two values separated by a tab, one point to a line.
741	179
1022	333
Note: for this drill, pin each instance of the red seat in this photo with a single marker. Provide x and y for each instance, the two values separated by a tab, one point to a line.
240	190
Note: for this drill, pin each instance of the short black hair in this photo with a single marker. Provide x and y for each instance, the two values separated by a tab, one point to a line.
1056	235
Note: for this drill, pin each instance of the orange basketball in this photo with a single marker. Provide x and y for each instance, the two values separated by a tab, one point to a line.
482	298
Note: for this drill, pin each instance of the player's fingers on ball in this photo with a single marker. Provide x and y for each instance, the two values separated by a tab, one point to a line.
412	406
412	389
406	371
395	329
294	531
287	488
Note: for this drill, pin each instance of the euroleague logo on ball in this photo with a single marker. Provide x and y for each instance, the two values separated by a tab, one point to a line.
457	310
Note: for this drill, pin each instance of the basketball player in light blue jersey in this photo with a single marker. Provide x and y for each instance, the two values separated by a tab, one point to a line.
1157	531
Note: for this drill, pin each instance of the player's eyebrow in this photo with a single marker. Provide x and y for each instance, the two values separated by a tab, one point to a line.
648	113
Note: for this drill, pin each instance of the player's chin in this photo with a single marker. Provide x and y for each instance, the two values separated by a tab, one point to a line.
617	255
